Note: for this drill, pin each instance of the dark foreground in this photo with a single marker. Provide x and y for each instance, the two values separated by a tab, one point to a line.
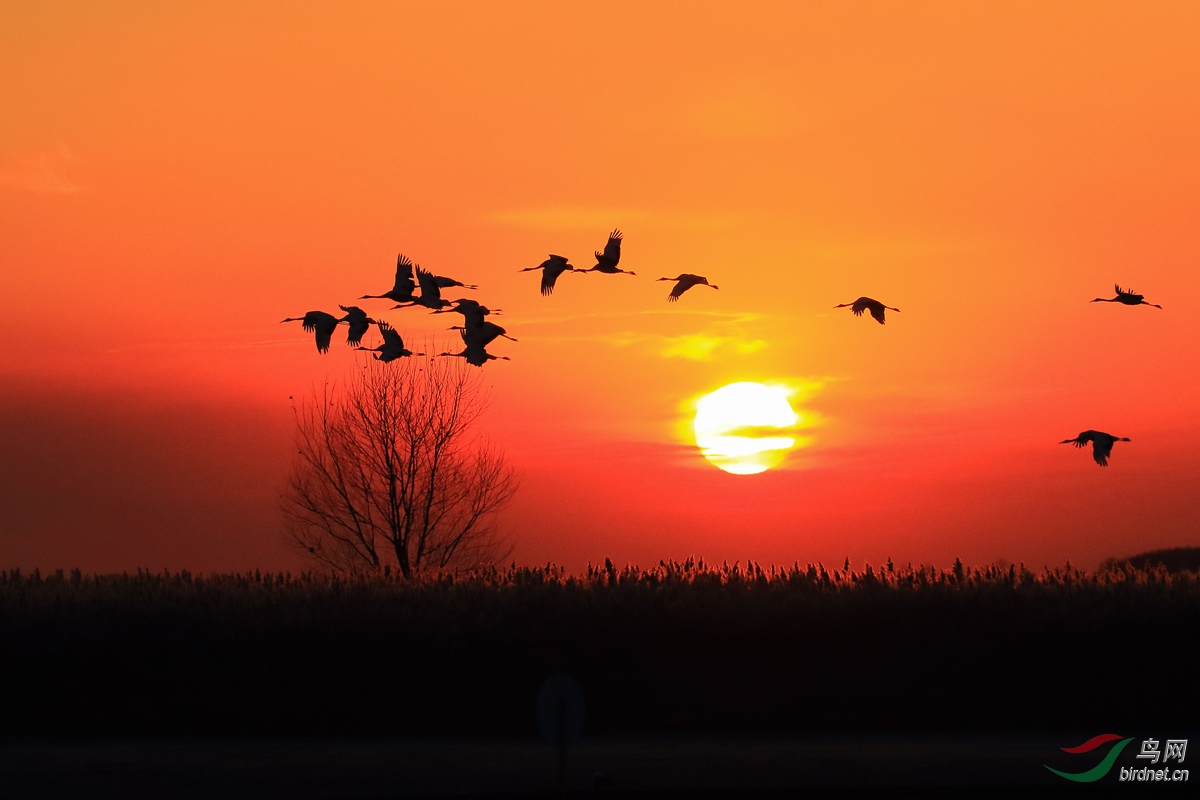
680	648
826	766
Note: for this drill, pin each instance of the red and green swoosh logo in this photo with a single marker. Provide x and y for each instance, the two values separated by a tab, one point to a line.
1100	770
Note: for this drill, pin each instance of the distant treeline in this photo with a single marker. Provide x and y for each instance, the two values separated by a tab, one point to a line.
1175	559
679	647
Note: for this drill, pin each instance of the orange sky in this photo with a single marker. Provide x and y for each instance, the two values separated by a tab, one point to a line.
174	181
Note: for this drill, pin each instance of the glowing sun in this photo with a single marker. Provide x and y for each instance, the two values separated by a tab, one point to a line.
740	427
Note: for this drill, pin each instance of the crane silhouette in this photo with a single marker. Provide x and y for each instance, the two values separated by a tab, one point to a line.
392	347
551	268
685	282
476	354
483	335
320	323
359	324
473	312
1129	298
431	293
1102	444
607	261
867	304
402	289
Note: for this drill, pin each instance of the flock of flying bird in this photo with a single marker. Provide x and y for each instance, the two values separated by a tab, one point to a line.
477	332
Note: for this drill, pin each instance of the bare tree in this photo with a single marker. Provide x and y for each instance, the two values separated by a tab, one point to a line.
389	474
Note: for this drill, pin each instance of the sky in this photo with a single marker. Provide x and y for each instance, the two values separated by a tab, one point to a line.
177	178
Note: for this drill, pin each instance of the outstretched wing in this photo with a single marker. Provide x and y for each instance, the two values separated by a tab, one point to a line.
359	324
684	283
404	276
429	285
488	332
323	325
554	267
877	312
1102	449
353	311
612	250
1082	439
474	337
315	319
358	329
390	337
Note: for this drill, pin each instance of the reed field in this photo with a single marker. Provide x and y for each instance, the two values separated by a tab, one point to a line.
680	647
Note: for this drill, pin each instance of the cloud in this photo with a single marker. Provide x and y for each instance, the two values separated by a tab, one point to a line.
720	316
723	334
43	173
702	346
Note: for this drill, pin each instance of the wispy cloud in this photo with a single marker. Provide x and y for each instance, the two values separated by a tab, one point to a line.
703	346
42	173
722	332
725	316
723	336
